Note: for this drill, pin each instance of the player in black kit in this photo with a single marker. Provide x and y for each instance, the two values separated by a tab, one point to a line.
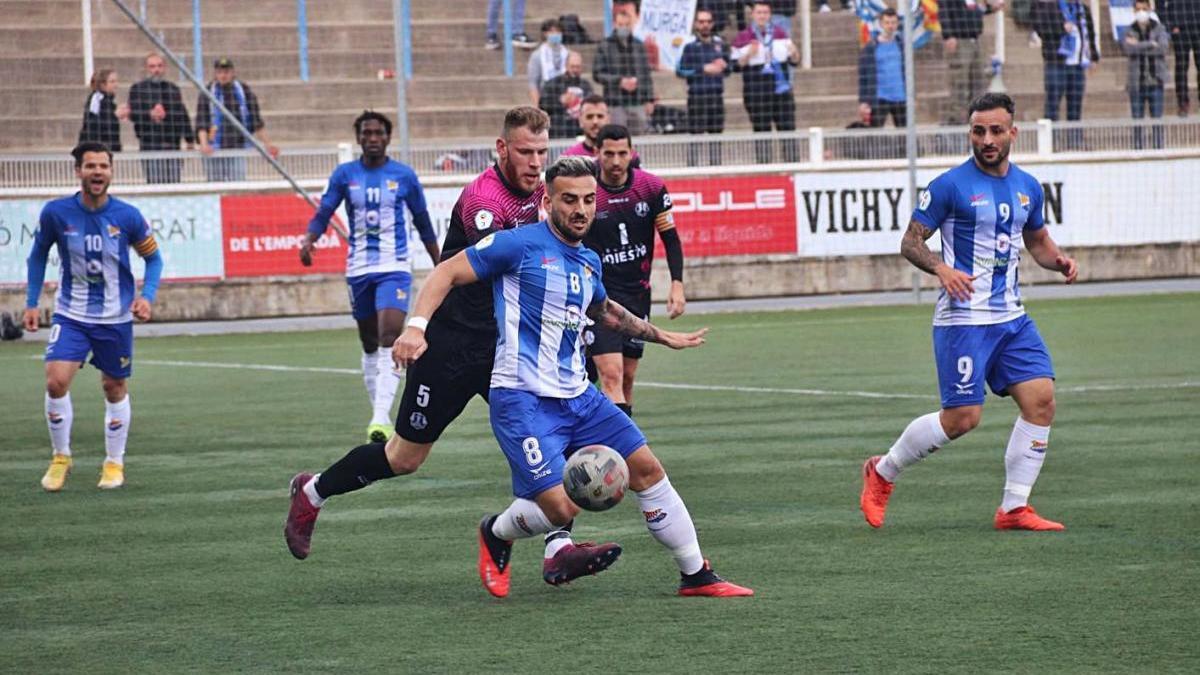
631	205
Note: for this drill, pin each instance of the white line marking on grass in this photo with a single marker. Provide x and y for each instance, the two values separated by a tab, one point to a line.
1081	389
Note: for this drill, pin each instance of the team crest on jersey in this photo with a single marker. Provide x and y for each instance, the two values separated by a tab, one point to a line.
642	209
483	220
485	242
418	421
401	294
125	361
114	231
1002	243
926	198
393	185
1023	199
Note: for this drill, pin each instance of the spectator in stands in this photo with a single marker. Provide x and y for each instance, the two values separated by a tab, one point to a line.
782	12
160	120
519	38
721	9
623	69
1183	20
562	98
547	61
764	53
881	73
1069	48
101	114
705	63
215	133
1146	43
962	24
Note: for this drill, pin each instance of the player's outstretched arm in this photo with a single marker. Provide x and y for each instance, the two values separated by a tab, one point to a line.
411	344
1047	254
615	317
913	247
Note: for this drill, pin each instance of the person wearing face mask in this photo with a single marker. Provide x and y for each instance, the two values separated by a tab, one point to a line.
1146	43
623	68
160	120
547	61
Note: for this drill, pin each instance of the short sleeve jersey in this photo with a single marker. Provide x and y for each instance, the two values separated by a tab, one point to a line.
541	289
375	200
96	283
623	233
981	219
487	204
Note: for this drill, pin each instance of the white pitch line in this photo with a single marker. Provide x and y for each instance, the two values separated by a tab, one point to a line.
1081	389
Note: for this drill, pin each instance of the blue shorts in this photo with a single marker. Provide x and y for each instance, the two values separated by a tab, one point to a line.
1004	354
537	434
111	345
371	293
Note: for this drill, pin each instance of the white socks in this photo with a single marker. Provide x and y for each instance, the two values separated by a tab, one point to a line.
670	523
1022	462
922	436
116	429
370	374
523	518
59	415
386	384
310	491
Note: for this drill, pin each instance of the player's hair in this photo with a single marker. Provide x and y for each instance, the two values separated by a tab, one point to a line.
525	117
571	166
89	146
889	11
593	99
613	132
99	78
368	115
991	101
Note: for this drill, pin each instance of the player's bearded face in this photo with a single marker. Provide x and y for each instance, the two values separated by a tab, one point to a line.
614	161
992	135
572	206
95	173
523	157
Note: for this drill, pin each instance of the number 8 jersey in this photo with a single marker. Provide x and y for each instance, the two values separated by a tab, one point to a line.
981	219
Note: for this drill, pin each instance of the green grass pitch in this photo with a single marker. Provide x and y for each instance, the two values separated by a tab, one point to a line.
185	568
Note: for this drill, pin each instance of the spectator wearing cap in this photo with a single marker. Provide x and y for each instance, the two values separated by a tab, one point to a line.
216	133
705	64
160	120
547	61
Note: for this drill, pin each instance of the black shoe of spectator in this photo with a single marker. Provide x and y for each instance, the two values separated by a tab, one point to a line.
492	43
522	40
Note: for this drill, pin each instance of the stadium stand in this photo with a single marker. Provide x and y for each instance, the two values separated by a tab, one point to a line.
350	43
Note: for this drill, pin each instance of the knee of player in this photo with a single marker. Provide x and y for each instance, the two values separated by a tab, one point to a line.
403	457
958	421
645	470
1041	412
57	387
114	389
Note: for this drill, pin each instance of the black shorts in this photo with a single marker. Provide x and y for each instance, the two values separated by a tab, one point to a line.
457	366
601	340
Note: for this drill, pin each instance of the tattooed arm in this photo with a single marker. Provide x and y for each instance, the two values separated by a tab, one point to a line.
913	247
615	317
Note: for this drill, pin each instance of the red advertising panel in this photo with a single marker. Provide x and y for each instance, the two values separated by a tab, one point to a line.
736	215
263	234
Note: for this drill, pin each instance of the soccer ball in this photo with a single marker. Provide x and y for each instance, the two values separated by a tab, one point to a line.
596	477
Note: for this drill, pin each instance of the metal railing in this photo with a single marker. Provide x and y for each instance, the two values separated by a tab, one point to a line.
22	174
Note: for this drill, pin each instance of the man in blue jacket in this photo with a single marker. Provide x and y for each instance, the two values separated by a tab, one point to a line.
881	73
705	65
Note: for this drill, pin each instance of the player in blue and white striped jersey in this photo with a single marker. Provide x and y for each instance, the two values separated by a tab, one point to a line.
982	209
376	190
95	307
546	286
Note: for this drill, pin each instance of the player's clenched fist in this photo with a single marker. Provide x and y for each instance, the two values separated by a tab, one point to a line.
409	347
